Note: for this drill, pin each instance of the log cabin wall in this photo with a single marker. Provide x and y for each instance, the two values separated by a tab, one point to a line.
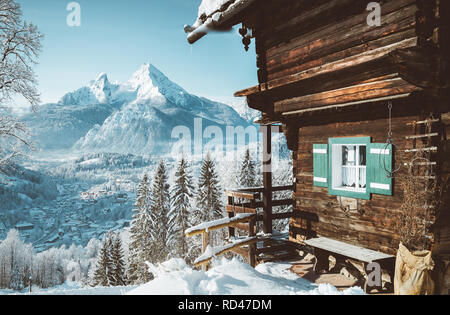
372	223
306	39
327	31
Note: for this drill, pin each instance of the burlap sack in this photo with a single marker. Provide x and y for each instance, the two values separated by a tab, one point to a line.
413	272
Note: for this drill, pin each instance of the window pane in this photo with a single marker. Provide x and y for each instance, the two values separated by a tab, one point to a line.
362	155
349	155
349	176
362	177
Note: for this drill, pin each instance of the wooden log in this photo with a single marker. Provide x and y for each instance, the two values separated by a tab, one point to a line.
361	92
337	37
295	67
342	63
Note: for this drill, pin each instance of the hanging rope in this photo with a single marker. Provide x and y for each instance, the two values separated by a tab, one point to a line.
389	142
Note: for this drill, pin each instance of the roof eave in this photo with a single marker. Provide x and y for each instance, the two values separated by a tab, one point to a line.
222	20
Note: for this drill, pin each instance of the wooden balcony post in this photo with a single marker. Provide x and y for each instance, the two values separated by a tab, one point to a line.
252	247
205	239
231	230
267	178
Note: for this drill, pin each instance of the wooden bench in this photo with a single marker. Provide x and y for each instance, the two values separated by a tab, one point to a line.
326	247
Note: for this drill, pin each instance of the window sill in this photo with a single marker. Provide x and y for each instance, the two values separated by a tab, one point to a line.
356	190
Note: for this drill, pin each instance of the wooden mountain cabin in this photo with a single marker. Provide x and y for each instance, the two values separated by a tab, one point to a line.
365	110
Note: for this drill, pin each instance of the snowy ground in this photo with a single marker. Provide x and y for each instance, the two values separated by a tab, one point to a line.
226	277
72	288
231	277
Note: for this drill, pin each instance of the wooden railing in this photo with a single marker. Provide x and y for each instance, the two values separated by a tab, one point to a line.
233	243
242	209
248	200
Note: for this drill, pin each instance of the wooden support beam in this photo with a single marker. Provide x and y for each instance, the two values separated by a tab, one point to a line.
267	179
205	243
231	230
252	246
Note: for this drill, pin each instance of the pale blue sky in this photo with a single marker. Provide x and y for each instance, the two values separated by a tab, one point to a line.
117	37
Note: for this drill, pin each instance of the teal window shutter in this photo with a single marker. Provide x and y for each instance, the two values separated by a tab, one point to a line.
379	168
320	153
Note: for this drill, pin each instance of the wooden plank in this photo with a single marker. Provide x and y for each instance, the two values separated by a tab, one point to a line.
347	250
303	65
219	224
240	251
237	209
348	34
421	122
201	261
282	216
342	63
337	106
428	135
242	194
282	202
283	188
366	91
422	149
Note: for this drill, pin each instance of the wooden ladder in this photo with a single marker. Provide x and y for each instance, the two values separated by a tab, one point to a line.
424	167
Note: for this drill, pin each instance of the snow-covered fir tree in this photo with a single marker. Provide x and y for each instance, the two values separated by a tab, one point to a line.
208	196
117	262
139	247
111	267
182	194
247	175
160	208
103	268
16	278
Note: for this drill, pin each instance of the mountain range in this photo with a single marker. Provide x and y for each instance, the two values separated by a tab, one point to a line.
135	117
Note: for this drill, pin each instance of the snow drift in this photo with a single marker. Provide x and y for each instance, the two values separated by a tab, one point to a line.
231	277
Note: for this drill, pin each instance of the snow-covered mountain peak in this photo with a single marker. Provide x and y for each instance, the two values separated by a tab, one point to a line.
101	88
140	77
142	84
99	91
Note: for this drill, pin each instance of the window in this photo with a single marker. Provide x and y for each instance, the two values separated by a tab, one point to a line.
351	167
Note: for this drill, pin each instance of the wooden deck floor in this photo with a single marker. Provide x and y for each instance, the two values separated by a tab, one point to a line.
305	270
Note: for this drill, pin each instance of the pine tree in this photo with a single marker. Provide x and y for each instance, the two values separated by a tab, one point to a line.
117	262
247	176
181	206
103	264
209	205
110	262
16	278
159	209
140	227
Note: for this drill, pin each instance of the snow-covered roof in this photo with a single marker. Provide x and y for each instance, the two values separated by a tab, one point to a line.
215	15
24	226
